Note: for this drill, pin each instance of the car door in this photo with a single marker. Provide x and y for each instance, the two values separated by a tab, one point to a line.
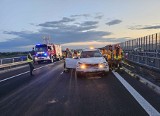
71	62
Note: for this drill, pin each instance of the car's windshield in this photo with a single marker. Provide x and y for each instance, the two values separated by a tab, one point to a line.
41	48
88	54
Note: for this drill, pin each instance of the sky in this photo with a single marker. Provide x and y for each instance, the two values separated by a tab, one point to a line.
75	23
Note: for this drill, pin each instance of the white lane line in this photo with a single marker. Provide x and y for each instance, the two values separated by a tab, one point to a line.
61	73
145	105
14	76
23	73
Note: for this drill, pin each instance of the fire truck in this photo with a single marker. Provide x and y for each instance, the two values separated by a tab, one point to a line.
47	52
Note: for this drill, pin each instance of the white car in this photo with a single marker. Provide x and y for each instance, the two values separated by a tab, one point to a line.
90	61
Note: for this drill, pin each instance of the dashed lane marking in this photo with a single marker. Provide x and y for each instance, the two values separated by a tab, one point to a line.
61	73
25	72
145	105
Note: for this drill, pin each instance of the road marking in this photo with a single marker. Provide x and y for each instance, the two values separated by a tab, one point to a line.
14	76
61	73
52	101
145	105
24	73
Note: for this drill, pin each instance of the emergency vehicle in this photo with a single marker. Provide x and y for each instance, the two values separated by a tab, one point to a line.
90	61
47	52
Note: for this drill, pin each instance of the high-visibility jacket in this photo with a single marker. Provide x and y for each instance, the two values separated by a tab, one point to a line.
29	59
74	54
119	55
104	52
109	55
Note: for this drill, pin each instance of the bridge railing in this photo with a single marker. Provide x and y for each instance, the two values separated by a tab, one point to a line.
144	50
9	62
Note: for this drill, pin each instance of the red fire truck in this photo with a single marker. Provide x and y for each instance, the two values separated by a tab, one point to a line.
47	52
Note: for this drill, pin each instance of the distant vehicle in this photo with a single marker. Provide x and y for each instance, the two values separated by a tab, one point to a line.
90	61
47	52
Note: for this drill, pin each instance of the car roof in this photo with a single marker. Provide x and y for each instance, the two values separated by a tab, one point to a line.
90	50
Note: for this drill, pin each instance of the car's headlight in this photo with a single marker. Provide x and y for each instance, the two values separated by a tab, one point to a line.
82	66
101	65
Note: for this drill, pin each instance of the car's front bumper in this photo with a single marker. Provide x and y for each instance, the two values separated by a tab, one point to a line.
93	70
42	58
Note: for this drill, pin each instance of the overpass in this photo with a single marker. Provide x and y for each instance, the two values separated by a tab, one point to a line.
135	90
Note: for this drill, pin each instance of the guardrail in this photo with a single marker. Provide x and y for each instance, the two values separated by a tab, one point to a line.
144	50
151	60
9	62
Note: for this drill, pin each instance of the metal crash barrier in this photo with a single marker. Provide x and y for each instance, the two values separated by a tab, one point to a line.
10	62
144	50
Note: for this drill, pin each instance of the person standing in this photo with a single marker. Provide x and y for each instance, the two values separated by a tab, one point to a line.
118	55
110	56
30	62
33	55
104	53
75	54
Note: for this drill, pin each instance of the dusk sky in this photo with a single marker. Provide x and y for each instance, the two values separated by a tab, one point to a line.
75	23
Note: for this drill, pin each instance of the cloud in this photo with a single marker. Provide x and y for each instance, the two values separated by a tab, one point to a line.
114	22
85	26
81	15
89	23
57	23
98	17
141	27
60	33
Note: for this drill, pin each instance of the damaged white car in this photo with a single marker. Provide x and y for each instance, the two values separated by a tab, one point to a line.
90	61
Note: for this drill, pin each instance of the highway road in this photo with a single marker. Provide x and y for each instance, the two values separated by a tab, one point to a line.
54	93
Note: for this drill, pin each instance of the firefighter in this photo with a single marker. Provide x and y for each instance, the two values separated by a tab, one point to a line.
30	62
104	53
75	54
33	55
110	56
118	55
68	53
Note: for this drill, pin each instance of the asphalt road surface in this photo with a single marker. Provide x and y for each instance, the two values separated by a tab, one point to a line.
54	93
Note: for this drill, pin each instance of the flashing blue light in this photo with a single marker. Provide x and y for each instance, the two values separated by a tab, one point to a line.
45	54
38	44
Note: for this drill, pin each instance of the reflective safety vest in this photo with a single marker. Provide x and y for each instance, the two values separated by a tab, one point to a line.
118	56
28	59
109	55
74	55
104	52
